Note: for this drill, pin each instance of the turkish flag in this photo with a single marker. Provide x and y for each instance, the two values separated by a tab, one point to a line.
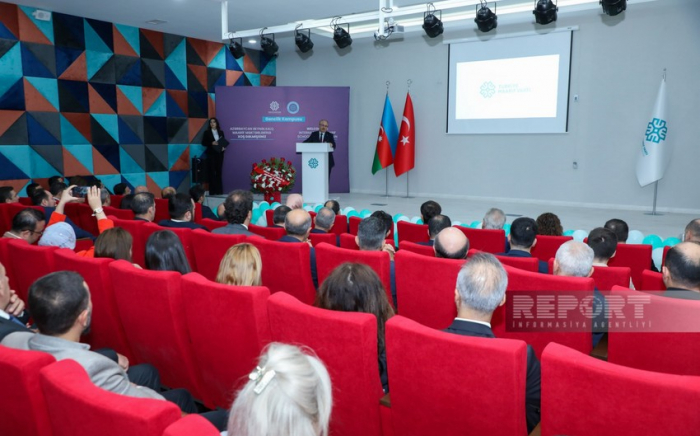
405	157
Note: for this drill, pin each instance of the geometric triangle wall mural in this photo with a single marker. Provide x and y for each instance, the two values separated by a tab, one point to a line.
83	97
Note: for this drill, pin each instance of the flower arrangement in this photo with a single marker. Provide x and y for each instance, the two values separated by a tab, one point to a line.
275	175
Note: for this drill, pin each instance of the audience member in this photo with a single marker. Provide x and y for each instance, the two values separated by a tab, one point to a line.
43	198
295	201
13	317
333	205
105	197
139	189
59	235
181	210
167	192
57	189
238	210
620	228
115	243
355	287
78	181
681	271
121	189
323	223
494	219
436	224
32	188
28	224
126	201
523	236
8	195
429	209
55	179
451	243
164	252
144	206
692	231
279	214
386	219
481	289
241	266
297	224
603	242
370	237
548	224
198	196
288	394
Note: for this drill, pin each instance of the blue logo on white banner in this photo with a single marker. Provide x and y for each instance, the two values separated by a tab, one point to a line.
313	163
292	107
488	89
656	130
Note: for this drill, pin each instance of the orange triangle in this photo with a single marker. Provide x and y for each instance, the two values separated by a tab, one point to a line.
8	118
81	122
28	31
121	47
266	80
71	166
200	47
195	125
213	49
97	104
180	98
77	71
212	106
156	40
152	186
232	77
101	165
124	106
150	95
34	101
8	12
16	184
183	162
249	66
200	73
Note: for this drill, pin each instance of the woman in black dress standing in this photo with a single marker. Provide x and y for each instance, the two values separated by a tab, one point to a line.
213	139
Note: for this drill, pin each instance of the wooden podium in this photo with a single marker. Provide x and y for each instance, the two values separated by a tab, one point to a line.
314	173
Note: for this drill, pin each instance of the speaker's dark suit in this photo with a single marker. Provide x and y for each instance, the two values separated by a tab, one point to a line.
532	383
215	161
327	137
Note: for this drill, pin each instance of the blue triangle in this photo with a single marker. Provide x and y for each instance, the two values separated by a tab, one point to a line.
6	34
95	61
11	63
12	94
32	66
271	68
171	80
161	178
111	153
38	135
231	62
109	123
219	60
129	165
254	78
135	179
177	62
197	150
176	177
83	153
133	93
9	155
174	153
173	108
48	88
40	167
133	76
70	134
110	180
126	135
158	108
131	35
46	27
93	41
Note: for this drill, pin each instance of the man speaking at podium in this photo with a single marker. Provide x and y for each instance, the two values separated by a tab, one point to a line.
323	135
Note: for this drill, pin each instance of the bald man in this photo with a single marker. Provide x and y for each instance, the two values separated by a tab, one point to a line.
681	271
295	201
297	223
692	231
451	243
140	189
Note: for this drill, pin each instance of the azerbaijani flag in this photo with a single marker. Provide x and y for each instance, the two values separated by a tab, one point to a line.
386	141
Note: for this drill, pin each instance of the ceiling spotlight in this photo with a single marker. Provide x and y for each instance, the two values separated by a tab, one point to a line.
341	36
432	24
485	20
545	11
303	41
267	44
236	48
613	7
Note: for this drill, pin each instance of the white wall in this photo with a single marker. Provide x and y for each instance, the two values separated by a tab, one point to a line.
617	64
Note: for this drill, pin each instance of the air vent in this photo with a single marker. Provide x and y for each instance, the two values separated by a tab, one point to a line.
156	22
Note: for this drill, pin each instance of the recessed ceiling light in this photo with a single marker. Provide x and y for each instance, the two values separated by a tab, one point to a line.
252	41
156	22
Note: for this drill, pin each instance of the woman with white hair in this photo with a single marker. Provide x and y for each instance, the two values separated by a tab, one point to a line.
287	394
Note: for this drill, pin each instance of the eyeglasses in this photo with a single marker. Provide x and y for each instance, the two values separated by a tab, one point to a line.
37	233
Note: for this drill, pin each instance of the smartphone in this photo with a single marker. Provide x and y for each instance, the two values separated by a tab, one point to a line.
80	191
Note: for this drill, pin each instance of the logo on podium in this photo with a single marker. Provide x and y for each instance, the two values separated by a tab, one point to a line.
313	163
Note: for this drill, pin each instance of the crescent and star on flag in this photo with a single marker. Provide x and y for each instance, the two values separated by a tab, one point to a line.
404	139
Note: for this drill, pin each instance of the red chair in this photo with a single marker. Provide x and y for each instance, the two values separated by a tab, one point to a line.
22	406
412	232
82	245
636	257
488	240
547	246
213	224
425	288
354	224
191	425
122	214
81	215
151	308
29	262
210	248
524	263
519	281
269	233
607	277
198	213
6	261
106	330
228	329
136	229
269	214
652	281
347	241
185	236
329	257
25	201
5	218
79	408
115	200
663	259
162	212
574	386
346	342
487	398
286	267
341	225
328	238
425	250
671	343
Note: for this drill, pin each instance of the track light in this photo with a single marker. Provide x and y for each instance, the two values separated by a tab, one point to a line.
432	24
485	20
303	41
341	36
236	48
545	11
267	44
613	7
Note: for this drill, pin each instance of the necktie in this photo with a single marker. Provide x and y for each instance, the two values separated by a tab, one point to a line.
16	321
322	137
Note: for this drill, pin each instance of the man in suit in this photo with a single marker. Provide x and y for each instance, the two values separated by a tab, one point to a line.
197	194
279	215
522	237
297	224
429	209
325	218
28	225
692	231
238	210
144	206
323	135
48	202
481	289
13	317
681	271
181	210
371	236
451	243
495	219
436	224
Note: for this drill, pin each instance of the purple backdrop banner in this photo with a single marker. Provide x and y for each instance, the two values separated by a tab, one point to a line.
265	122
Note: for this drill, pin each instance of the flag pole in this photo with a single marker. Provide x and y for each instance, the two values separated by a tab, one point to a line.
386	184
656	183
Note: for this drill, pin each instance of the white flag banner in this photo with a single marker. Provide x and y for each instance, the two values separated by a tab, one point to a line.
655	153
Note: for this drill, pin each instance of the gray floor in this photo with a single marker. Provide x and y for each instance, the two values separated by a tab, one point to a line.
572	218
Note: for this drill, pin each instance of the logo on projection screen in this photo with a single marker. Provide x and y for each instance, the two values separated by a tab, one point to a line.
274	106
292	107
487	89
